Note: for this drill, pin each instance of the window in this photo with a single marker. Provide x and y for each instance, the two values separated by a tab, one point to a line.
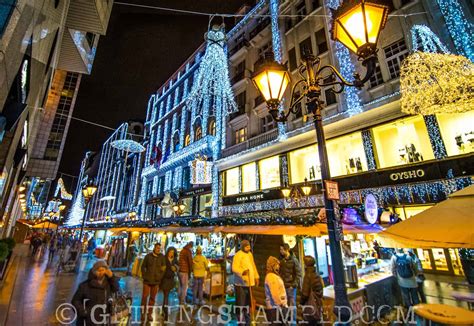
404	141
232	181
90	37
249	176
239	72
292	59
298	107
329	94
377	78
240	135
457	131
394	55
304	164
263	50
300	11
51	51
306	47
346	155
186	177
197	132
315	4
269	172
205	205
267	123
241	99
176	142
149	189
187	139
321	41
212	127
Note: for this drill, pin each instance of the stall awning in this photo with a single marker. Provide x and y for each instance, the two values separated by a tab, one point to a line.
45	225
449	224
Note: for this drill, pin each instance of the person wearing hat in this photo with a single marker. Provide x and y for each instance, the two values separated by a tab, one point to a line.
96	290
275	293
200	267
312	293
245	277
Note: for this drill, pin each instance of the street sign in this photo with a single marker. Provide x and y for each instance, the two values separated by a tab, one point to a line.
332	190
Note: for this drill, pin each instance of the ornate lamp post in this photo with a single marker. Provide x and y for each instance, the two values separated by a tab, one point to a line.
357	25
87	192
179	207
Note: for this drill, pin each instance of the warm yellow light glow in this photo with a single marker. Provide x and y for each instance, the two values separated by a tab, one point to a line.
89	190
359	27
182	207
286	192
272	84
62	207
22	200
22	188
306	189
175	208
22	196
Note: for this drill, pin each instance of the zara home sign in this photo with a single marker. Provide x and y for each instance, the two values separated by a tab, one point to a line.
371	209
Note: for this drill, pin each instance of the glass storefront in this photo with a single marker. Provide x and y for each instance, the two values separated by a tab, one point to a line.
402	142
249	176
457	131
304	164
188	209
232	181
205	205
269	170
346	155
409	211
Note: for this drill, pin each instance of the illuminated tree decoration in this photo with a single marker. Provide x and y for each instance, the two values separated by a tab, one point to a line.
212	81
201	170
76	214
433	82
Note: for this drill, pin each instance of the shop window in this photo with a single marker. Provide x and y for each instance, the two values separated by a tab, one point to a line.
407	212
457	131
232	177
188	206
292	59
269	172
394	55
205	205
240	135
401	142
321	41
304	164
249	176
306	47
346	155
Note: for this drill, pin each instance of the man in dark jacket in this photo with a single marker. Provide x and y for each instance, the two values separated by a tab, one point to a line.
153	268
312	293
290	272
185	268
94	292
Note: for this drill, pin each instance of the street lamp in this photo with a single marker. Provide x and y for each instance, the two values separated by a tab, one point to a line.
179	207
87	191
357	25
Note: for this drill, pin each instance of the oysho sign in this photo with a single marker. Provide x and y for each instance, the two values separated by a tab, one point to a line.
371	209
407	175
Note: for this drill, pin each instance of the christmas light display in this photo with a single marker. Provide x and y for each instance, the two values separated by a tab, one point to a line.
76	213
434	133
347	69
60	188
460	28
201	170
369	149
432	82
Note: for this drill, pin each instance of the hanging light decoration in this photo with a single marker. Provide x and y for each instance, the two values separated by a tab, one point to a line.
432	82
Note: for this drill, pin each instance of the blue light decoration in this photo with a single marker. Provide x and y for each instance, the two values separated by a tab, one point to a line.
76	213
369	149
347	68
439	149
423	39
461	30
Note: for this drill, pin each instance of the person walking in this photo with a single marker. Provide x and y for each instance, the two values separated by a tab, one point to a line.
36	242
168	281
185	268
200	267
53	247
290	272
245	277
275	294
311	293
404	268
420	277
131	255
96	290
153	268
91	247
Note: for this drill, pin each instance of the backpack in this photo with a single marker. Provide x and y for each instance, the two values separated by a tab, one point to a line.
404	267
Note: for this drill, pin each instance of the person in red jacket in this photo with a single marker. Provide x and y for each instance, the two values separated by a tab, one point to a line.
185	263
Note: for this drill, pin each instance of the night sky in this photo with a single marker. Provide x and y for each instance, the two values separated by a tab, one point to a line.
141	50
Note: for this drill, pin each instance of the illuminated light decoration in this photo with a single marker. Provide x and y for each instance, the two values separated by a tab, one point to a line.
460	28
128	145
76	213
432	82
383	98
439	149
277	53
347	68
436	83
61	188
201	170
369	149
260	5
284	170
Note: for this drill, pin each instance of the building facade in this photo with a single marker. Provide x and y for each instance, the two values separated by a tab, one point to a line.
46	46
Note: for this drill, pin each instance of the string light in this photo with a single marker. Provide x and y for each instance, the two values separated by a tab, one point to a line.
61	188
423	39
460	28
369	149
439	149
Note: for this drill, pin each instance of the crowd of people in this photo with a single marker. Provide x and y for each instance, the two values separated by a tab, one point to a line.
52	244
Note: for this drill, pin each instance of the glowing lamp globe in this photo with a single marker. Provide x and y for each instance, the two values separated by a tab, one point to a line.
286	192
357	25
271	79
89	190
306	189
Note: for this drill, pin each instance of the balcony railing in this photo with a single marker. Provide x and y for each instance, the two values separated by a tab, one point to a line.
251	143
260	27
240	44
